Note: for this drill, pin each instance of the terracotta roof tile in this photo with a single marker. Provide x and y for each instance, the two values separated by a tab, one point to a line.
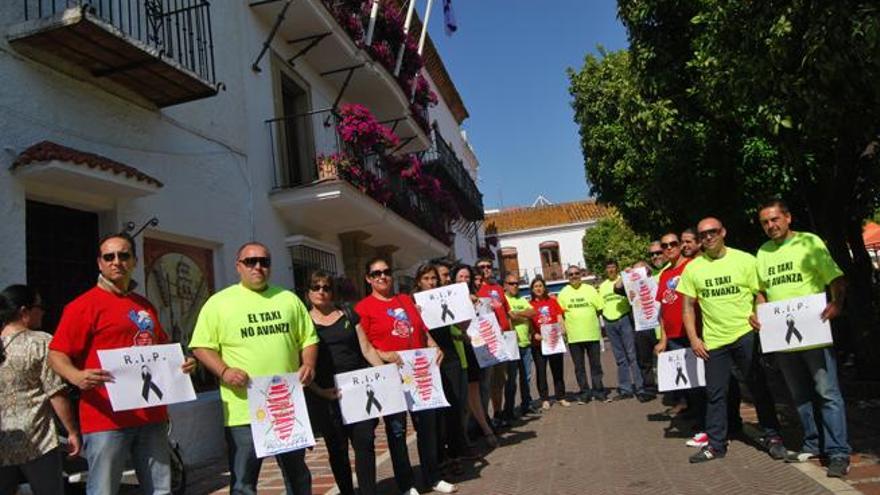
525	218
47	151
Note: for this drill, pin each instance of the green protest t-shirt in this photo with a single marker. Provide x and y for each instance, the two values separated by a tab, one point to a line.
725	289
261	333
522	327
799	266
615	305
581	306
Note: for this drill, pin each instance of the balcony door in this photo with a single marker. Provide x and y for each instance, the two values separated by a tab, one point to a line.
298	164
550	265
509	262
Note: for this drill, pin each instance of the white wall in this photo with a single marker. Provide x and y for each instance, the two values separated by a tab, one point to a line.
569	237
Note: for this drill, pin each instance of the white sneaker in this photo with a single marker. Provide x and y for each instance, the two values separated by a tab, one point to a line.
411	491
564	403
545	405
699	440
444	487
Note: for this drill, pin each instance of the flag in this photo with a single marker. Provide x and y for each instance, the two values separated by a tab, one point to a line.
449	24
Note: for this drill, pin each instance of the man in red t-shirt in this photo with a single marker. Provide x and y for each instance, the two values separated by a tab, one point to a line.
494	380
111	316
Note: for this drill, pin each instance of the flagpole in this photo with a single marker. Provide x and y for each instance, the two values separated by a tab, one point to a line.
374	12
425	26
409	15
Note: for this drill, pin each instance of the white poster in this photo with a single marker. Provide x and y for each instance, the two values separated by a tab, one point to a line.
422	384
680	369
146	376
279	418
641	290
483	306
794	323
511	345
552	339
445	305
370	393
485	334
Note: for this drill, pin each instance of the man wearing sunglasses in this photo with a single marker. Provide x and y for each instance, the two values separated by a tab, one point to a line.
582	305
723	282
111	316
254	328
494	380
795	264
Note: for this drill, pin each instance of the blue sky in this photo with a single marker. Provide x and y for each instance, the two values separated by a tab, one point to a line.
508	61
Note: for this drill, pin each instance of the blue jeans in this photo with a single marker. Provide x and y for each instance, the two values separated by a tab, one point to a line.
107	451
623	345
244	465
526	366
510	388
812	375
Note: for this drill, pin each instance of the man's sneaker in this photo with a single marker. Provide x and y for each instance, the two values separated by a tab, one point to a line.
838	467
564	403
623	397
411	491
699	440
545	405
705	454
775	448
795	457
444	487
646	397
583	399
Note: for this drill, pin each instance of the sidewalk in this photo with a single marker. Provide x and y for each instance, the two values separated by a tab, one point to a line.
616	448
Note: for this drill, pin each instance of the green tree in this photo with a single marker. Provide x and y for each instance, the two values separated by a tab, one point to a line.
612	238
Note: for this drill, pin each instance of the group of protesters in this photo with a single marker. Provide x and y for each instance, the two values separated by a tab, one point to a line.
707	294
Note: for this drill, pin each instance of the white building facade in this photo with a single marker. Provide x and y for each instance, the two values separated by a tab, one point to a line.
200	126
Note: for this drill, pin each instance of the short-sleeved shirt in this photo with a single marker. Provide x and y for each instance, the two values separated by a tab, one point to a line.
26	384
261	333
522	327
581	308
671	303
339	350
393	325
799	266
615	306
548	311
96	320
499	303
725	289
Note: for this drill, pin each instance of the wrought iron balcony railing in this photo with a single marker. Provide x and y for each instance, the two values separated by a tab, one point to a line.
442	159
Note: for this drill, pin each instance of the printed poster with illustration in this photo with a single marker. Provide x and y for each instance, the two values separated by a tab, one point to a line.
680	369
487	341
641	290
794	323
279	418
552	339
511	345
445	305
420	374
146	376
370	393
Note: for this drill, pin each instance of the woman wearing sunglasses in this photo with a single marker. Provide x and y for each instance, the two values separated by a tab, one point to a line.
547	312
29	392
392	323
342	347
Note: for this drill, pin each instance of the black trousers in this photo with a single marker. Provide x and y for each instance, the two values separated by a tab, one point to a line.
645	342
555	361
327	418
451	439
42	473
425	423
592	351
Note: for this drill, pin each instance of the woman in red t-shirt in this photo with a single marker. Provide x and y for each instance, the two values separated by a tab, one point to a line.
392	323
548	312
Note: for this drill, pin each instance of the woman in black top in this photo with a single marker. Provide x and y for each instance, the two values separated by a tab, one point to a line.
342	347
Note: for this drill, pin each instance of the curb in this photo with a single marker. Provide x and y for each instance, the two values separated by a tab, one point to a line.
379	460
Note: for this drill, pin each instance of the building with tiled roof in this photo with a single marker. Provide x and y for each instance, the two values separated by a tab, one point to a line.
542	239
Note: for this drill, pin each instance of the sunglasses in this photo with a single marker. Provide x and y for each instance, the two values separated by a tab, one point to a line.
656	253
667	245
511	283
320	288
251	262
377	273
708	233
573	274
484	267
121	255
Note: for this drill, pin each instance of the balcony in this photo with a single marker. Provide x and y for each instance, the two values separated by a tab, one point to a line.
442	161
318	197
315	36
159	52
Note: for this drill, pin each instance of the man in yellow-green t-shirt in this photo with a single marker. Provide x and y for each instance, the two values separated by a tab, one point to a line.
521	313
255	329
582	305
619	328
724	282
795	264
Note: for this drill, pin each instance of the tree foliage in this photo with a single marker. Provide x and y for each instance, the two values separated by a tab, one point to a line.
612	238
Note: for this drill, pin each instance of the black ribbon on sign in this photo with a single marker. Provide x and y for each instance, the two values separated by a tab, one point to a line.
680	375
371	400
445	312
792	332
149	385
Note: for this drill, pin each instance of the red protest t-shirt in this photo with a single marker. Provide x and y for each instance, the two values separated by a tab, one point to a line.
99	319
672	303
548	311
393	325
499	303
